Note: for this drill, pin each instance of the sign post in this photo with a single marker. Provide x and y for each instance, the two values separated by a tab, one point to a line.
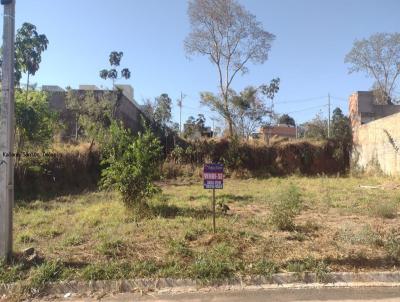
213	175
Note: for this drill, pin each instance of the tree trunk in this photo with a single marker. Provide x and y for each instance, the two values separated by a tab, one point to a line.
27	87
228	118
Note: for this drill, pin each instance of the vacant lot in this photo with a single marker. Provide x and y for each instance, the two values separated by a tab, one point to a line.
345	224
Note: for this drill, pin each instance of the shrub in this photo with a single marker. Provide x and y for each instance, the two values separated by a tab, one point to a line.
35	121
285	209
384	209
392	244
131	165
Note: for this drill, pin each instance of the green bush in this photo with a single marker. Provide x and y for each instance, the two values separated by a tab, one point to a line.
392	244
132	164
285	209
35	121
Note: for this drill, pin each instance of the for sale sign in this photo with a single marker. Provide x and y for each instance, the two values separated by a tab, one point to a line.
213	175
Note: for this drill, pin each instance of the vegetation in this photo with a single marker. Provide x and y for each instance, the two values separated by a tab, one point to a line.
193	126
379	58
29	46
244	42
286	208
131	165
286	119
36	123
94	237
115	61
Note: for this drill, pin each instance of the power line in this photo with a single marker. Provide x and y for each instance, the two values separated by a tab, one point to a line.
301	100
309	108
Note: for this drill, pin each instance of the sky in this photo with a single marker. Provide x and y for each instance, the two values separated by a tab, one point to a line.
312	39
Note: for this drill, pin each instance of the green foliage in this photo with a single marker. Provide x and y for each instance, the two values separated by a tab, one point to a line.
193	125
10	273
317	128
45	273
92	113
131	165
264	267
35	121
29	45
162	110
392	244
286	208
180	248
216	263
115	60
232	158
111	248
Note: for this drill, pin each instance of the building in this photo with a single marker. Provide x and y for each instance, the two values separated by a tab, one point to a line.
364	109
376	138
279	130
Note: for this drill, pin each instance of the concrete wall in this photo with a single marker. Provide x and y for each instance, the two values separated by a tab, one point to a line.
128	110
376	145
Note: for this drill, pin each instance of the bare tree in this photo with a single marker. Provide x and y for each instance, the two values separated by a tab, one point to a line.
231	37
379	57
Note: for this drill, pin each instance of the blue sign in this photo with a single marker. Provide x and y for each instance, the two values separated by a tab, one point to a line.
213	175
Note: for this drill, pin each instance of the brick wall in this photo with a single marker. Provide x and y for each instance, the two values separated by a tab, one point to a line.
376	145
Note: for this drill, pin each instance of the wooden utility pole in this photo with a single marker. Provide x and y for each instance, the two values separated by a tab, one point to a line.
7	132
329	115
180	104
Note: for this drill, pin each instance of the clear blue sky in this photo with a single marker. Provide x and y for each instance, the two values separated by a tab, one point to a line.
312	38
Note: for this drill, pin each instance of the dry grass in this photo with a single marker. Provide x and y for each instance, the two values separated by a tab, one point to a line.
91	236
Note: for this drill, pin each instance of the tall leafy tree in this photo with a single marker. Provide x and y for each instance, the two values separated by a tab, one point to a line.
113	74
231	37
29	46
341	129
378	57
162	111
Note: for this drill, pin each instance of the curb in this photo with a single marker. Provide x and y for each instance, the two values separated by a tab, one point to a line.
170	285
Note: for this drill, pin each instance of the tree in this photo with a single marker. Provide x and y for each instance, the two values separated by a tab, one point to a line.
35	121
317	128
162	111
115	61
341	129
193	125
92	114
248	109
231	37
29	45
286	120
148	108
379	57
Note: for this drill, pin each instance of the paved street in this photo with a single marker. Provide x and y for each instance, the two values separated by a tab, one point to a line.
378	294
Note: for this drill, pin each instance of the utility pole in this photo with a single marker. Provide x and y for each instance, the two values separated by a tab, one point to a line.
329	115
7	132
180	104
